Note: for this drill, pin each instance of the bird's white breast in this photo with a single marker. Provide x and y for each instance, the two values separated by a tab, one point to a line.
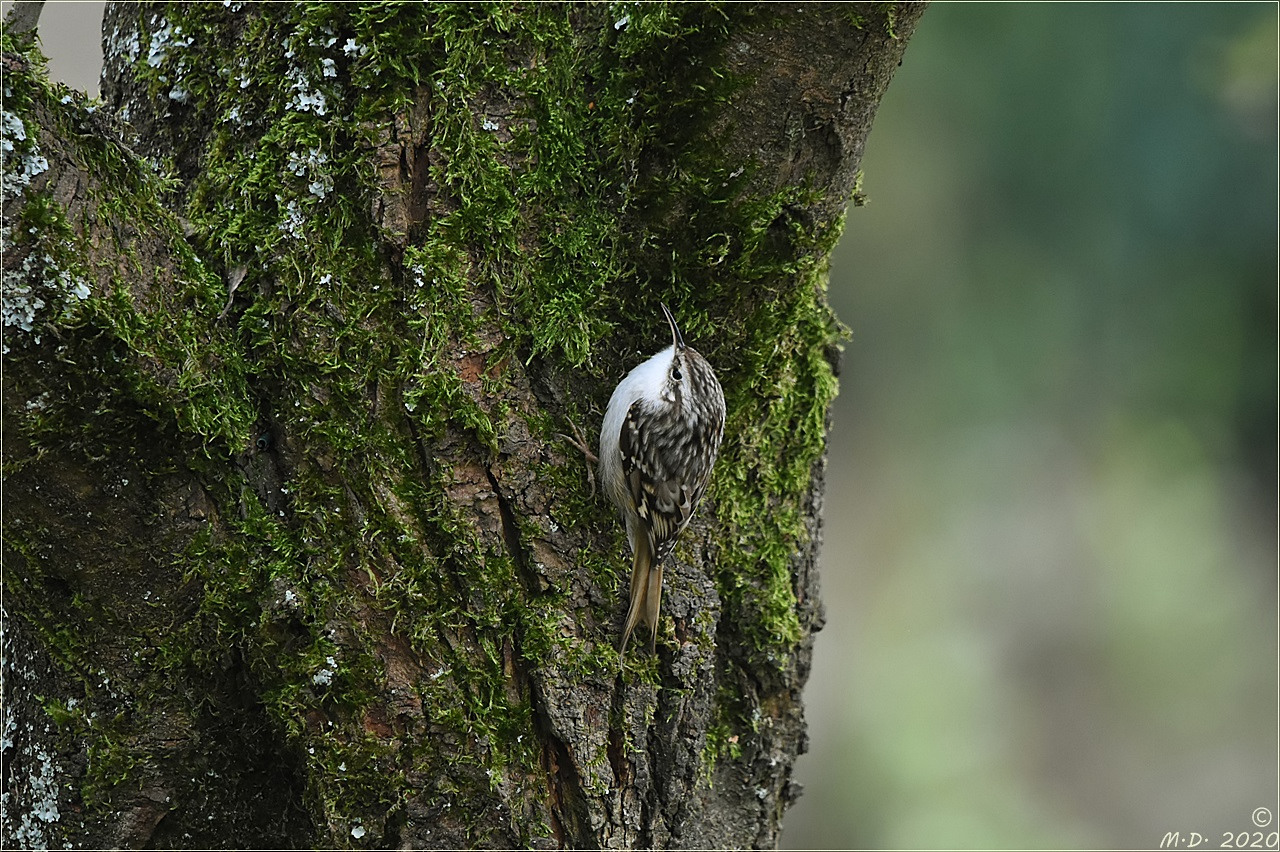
645	382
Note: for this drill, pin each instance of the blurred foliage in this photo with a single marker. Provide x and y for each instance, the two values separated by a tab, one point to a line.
1050	567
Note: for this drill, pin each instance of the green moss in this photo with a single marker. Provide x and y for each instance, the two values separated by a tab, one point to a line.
112	765
561	218
891	19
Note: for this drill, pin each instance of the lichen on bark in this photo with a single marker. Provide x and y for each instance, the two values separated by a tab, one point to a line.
288	528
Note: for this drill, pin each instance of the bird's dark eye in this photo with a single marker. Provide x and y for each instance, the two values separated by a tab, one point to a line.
675	374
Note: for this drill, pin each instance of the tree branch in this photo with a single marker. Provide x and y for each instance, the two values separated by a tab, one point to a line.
24	16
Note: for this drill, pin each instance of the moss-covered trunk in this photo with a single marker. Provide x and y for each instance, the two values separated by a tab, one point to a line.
292	553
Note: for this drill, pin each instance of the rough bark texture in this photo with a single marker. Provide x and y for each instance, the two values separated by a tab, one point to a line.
293	555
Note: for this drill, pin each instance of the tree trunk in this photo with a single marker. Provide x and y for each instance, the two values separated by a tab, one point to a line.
293	555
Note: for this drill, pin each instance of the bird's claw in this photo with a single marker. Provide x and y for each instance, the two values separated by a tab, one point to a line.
580	443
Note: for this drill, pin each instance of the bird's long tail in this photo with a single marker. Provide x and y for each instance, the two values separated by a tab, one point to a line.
646	594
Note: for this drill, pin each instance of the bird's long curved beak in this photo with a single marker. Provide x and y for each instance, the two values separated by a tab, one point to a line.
677	339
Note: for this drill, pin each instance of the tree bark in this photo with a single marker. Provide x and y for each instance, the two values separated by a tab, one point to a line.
292	553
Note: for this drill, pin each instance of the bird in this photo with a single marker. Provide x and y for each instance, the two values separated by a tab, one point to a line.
659	440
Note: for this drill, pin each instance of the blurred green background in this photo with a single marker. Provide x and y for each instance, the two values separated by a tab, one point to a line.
1050	562
1050	557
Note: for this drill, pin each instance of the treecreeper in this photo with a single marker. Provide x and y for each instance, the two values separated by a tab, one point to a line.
658	444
